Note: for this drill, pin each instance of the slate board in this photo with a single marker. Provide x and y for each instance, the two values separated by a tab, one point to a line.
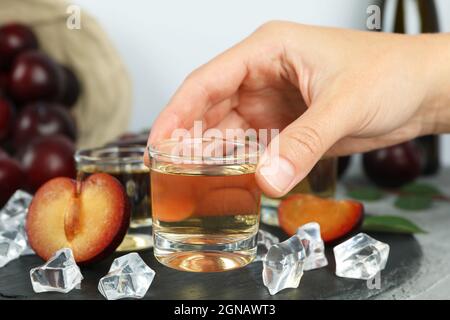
246	283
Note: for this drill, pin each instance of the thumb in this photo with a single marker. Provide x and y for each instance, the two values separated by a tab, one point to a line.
292	154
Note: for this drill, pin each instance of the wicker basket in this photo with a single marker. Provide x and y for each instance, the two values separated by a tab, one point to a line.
103	110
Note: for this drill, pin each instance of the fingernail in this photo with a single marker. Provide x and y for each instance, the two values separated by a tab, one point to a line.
278	172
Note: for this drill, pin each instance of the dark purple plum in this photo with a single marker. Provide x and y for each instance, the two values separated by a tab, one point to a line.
14	39
393	166
43	119
47	158
35	76
12	177
71	88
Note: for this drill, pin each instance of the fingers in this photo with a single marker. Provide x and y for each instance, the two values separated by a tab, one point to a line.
292	154
349	145
207	86
232	121
220	111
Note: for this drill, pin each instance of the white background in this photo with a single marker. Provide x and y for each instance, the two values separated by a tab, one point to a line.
162	41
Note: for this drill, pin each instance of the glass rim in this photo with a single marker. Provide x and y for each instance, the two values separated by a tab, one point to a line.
154	151
84	155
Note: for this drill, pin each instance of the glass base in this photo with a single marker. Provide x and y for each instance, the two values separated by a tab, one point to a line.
210	256
135	241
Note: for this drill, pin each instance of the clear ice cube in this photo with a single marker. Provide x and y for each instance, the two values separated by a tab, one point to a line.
18	202
28	251
314	246
12	244
13	214
360	257
60	273
12	222
283	265
128	277
264	242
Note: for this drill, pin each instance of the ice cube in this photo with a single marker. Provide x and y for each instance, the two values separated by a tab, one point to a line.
12	222
18	202
128	277
60	273
264	242
17	224
12	244
360	257
13	214
283	265
28	251
314	246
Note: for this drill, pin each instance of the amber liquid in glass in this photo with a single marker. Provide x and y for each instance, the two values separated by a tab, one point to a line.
212	210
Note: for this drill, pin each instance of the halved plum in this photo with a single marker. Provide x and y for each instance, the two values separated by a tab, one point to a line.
92	220
336	218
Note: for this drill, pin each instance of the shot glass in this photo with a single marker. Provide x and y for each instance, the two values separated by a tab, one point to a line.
321	181
126	165
206	203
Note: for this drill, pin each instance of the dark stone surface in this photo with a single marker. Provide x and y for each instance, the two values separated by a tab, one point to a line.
246	283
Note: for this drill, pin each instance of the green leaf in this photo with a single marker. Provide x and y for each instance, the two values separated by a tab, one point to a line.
413	202
421	189
365	194
390	224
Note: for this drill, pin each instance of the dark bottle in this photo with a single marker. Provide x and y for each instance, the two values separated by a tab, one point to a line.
428	145
342	165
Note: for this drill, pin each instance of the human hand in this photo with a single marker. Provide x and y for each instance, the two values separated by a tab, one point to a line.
330	91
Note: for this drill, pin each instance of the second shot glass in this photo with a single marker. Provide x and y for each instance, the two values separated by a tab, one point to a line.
126	164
